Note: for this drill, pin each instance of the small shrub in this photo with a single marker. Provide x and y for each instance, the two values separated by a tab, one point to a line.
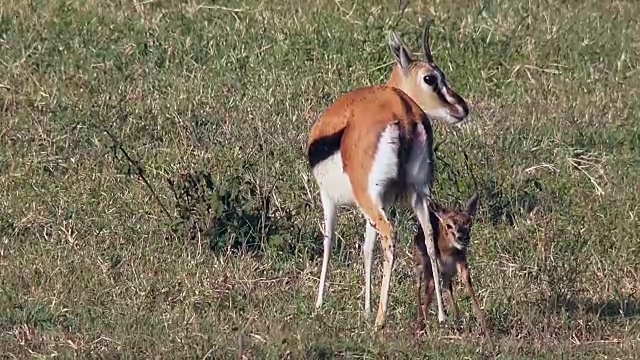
233	214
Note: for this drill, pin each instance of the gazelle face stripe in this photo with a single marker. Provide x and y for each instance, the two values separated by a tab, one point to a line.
456	105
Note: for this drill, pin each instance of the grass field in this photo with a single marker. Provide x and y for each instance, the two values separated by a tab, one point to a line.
92	265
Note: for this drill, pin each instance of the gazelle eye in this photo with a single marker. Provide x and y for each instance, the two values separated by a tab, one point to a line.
430	80
449	227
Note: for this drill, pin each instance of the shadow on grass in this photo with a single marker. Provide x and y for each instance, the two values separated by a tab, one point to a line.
235	214
551	317
612	308
504	201
504	205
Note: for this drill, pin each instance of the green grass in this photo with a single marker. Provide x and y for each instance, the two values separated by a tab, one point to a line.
91	265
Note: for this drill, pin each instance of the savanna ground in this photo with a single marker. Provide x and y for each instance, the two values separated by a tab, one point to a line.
213	101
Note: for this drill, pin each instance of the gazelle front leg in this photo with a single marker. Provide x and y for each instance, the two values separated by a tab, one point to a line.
420	207
330	212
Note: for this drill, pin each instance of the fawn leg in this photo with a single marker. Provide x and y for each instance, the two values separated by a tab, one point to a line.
421	315
429	295
463	269
453	307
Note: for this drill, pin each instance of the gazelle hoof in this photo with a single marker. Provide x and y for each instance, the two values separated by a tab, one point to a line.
379	325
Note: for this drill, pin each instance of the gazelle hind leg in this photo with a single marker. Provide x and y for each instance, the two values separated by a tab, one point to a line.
387	240
330	213
370	181
378	220
367	254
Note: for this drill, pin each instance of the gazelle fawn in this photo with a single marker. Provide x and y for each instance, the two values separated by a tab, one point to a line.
375	144
451	233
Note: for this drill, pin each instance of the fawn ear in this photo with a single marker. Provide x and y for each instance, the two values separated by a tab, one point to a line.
435	208
472	205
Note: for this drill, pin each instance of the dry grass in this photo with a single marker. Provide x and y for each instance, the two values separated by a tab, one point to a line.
92	266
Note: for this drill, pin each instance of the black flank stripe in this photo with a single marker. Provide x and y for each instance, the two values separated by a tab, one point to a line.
322	148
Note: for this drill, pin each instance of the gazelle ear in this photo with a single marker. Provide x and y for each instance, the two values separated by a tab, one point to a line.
399	51
472	205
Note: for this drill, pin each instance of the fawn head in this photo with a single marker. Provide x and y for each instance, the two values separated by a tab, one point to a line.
424	82
455	224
